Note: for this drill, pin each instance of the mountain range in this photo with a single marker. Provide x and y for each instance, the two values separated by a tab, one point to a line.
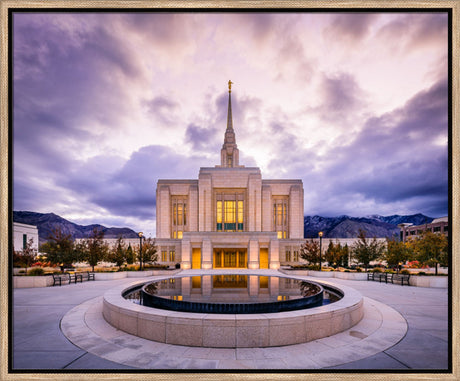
348	227
332	227
49	221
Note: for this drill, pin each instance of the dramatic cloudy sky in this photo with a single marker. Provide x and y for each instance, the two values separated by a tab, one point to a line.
106	104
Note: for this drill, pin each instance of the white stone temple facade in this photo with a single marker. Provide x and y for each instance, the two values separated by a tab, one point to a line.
229	217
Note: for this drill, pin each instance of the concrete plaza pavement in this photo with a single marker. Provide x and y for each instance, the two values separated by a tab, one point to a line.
39	343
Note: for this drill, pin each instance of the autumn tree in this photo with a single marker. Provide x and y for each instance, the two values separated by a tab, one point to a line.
149	251
334	254
345	255
397	252
130	256
95	249
310	252
365	251
117	254
60	248
431	249
25	257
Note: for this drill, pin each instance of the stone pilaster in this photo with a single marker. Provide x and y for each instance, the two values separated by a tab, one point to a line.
267	209
163	209
206	254
253	254
186	260
255	202
295	212
204	201
274	254
193	208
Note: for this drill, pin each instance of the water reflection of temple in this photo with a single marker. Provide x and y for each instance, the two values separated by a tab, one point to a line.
231	288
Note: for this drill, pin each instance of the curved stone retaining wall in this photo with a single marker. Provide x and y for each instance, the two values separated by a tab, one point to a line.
232	330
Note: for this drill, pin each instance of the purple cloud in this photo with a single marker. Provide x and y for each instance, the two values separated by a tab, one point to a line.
350	27
396	157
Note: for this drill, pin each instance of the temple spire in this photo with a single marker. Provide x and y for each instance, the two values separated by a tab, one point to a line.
229	152
229	112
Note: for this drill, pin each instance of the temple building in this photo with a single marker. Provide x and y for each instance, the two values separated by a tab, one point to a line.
229	217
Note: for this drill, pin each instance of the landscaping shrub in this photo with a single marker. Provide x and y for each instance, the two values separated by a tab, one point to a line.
36	271
155	266
359	270
421	273
377	270
405	272
300	267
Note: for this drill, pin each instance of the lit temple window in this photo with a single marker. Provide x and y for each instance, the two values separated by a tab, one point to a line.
280	217
229	215
240	215
219	215
230	212
179	216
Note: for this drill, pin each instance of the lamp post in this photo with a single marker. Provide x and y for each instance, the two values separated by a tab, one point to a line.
141	236
320	234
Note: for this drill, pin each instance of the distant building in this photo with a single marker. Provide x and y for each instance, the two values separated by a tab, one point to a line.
410	231
229	217
22	233
112	242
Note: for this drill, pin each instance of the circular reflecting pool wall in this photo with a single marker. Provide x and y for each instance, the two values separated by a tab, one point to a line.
232	330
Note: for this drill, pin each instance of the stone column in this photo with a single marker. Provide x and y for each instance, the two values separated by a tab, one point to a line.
253	254
267	208
163	213
255	202
206	254
274	255
193	208
204	202
186	260
295	212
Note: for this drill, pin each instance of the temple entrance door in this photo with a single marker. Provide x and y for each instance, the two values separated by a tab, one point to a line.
230	258
196	258
263	259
